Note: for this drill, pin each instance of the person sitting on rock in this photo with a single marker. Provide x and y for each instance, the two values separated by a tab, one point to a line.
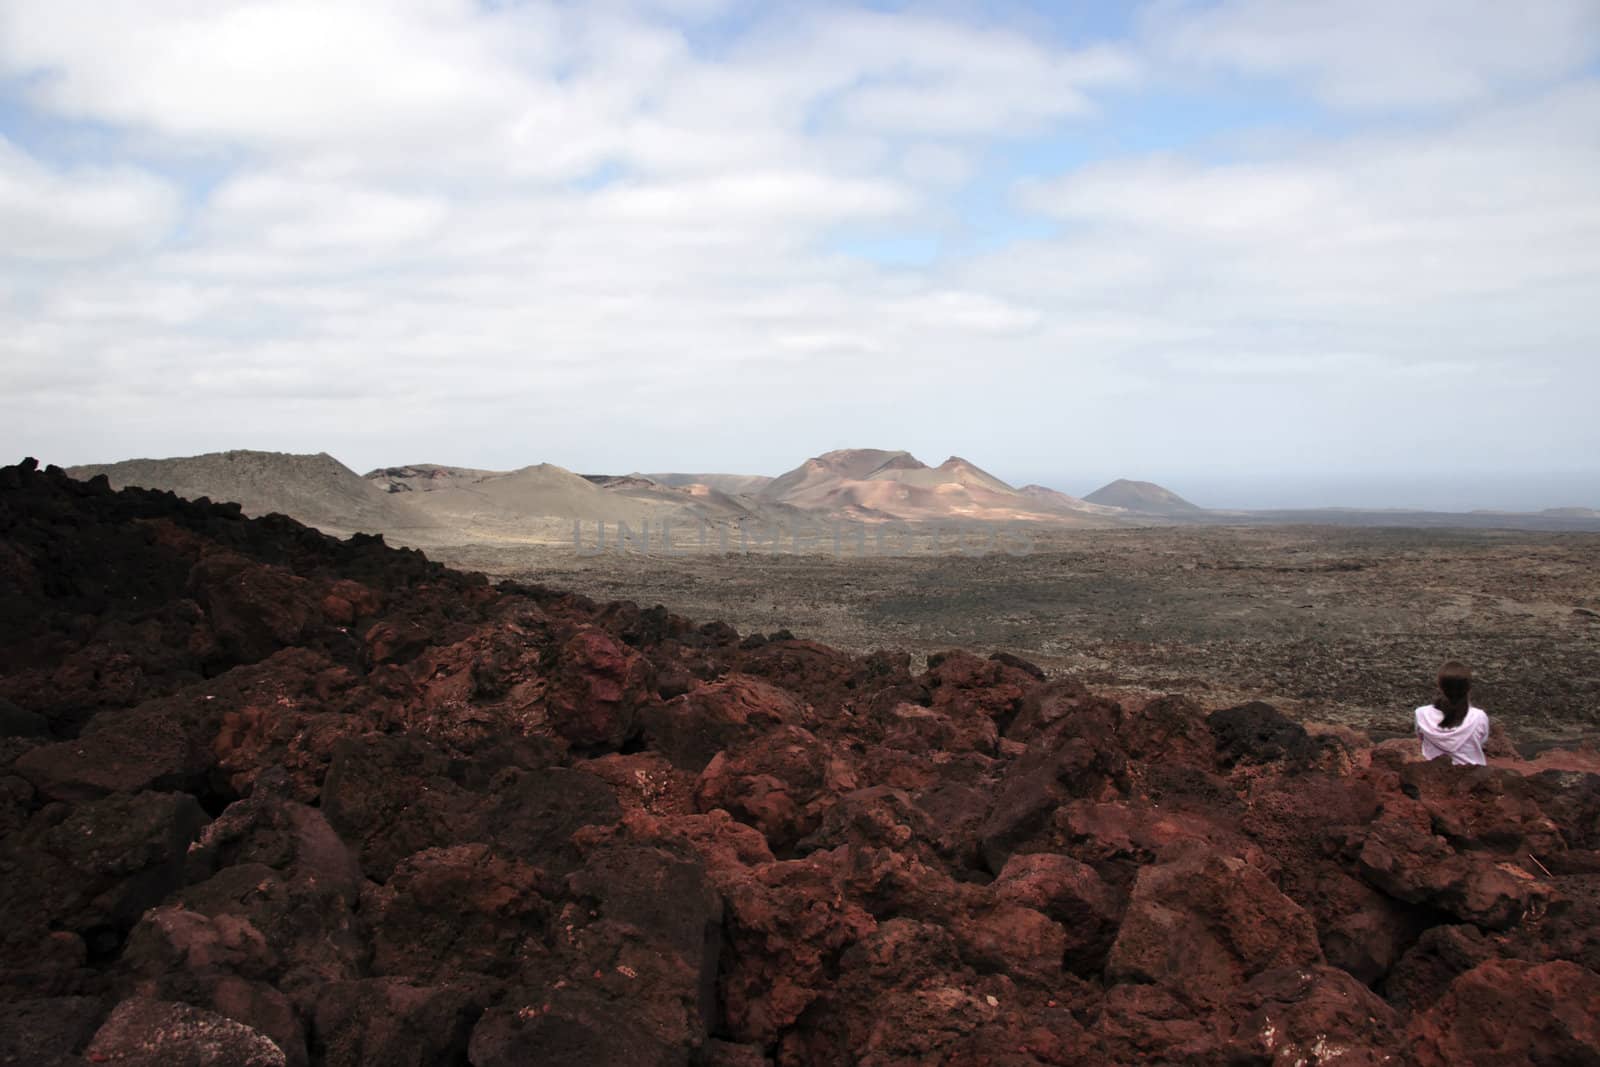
1451	726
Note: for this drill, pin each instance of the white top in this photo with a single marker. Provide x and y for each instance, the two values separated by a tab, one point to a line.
1464	744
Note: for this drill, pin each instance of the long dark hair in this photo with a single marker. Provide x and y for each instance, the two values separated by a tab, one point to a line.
1455	682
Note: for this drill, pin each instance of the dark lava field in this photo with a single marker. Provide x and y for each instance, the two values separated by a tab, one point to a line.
1332	624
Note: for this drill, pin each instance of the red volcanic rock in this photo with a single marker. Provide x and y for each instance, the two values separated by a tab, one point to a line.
171	939
273	884
1032	670
1483	808
1076	758
396	642
1015	940
450	912
1415	865
1505	1012
644	923
252	608
1203	925
645	781
598	687
252	1004
964	685
338	610
1572	799
922	730
778	783
690	729
1362	930
1568	930
1119	838
16	801
156	1033
1045	705
905	996
785	923
1312	1015
1499	746
1439	956
1073	895
1169	730
351	601
286	711
812	668
1300	820
1139	1023
488	686
463	823
390	797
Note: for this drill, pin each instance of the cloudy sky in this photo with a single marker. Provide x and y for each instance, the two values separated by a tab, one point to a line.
1263	251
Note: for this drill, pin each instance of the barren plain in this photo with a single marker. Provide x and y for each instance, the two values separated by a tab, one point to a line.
1334	624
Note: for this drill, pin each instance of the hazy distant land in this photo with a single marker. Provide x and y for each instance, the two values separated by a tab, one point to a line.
428	504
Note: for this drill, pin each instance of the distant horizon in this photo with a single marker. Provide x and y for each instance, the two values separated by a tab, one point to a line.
1451	493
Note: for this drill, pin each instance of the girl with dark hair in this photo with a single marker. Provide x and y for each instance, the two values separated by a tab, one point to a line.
1451	726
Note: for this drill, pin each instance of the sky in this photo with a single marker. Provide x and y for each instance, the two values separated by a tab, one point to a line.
1264	252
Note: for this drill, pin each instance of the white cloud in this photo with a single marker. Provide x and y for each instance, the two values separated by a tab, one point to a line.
768	198
281	212
1500	206
1380	54
48	214
937	164
914	74
290	71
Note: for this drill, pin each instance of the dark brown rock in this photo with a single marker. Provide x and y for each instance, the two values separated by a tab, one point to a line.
457	912
567	1029
391	1021
253	609
1206	924
1505	1012
1259	733
48	1032
1440	955
94	869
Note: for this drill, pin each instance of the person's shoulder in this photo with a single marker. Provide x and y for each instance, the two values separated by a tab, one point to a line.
1424	714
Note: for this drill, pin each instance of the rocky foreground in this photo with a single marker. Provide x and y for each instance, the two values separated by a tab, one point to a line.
272	798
